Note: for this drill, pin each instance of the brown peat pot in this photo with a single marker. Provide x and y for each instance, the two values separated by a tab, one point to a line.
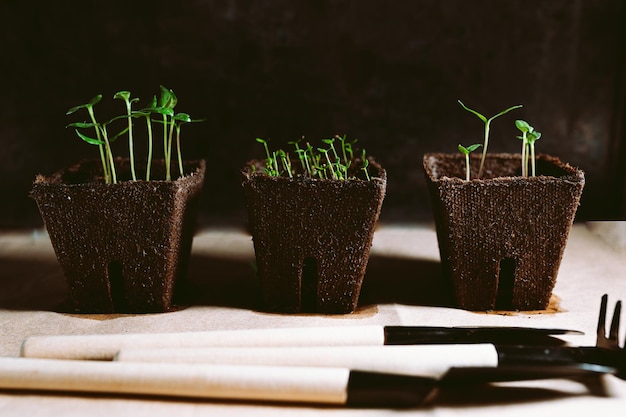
312	238
121	246
501	237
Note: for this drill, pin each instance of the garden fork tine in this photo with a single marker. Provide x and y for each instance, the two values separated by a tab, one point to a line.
612	342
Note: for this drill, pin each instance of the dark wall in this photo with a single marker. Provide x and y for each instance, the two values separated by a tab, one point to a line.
386	72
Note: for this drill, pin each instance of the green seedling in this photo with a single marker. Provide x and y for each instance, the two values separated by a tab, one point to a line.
101	139
329	165
487	122
147	114
331	143
322	163
125	95
284	159
167	102
529	136
163	107
300	152
466	151
366	163
178	121
271	168
104	157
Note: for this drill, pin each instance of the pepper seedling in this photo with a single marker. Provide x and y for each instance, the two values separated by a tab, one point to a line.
487	122
125	95
104	156
322	163
178	120
529	136
147	114
171	122
466	151
102	138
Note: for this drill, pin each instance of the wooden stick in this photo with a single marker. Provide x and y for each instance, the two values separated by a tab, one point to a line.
335	386
104	347
422	360
206	381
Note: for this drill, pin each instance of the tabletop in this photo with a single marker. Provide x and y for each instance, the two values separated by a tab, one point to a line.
402	286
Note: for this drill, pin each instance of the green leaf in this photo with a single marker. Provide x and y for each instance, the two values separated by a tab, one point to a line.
89	140
168	98
505	111
75	109
522	126
261	140
140	113
82	125
91	103
183	118
95	100
480	116
533	136
469	149
124	95
167	111
151	107
112	139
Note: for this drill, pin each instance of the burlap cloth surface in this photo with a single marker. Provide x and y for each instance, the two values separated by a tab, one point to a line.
402	287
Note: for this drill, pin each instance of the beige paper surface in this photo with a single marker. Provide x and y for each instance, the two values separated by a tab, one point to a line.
402	287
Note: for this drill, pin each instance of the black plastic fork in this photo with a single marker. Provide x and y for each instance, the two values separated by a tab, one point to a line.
518	362
615	355
612	341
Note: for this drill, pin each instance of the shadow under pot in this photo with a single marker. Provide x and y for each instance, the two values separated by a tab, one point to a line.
312	238
501	237
123	246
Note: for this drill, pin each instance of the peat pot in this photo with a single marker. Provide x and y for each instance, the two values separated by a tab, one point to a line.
501	237
121	246
312	238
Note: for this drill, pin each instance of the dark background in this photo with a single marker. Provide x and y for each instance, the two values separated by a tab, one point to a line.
388	73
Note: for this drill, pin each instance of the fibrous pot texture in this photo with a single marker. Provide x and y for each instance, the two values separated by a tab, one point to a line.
121	246
312	238
501	237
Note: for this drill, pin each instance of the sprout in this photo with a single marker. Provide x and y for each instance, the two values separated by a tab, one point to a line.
106	156
147	113
366	163
179	120
321	163
529	136
171	122
466	151
125	95
167	102
487	123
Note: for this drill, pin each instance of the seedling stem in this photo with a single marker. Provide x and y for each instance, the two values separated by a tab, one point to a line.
487	122
466	151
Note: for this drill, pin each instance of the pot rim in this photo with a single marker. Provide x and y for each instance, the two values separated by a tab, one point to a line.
570	173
